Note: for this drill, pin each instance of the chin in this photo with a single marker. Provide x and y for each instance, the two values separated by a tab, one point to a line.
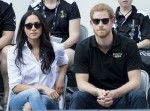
102	35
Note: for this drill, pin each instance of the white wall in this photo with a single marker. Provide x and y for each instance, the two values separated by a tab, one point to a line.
20	7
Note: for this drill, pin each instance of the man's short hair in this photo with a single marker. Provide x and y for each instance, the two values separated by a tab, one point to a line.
102	7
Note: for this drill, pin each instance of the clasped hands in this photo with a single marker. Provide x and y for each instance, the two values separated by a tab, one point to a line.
104	98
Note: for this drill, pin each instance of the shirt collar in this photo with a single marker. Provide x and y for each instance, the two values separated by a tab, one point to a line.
116	40
134	10
25	44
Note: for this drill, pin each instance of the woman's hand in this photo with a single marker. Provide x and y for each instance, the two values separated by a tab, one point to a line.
52	93
59	86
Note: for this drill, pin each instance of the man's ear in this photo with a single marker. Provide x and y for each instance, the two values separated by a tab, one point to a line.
112	21
91	22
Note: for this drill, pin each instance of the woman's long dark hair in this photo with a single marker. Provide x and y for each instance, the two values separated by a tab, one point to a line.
46	50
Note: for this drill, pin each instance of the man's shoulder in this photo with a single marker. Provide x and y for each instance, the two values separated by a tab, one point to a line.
139	14
85	44
142	16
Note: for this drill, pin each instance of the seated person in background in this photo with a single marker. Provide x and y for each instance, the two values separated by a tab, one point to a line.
108	70
133	24
32	66
7	28
63	18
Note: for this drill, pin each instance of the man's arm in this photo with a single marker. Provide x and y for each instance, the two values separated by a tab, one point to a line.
8	25
144	43
6	39
74	33
84	85
133	83
144	32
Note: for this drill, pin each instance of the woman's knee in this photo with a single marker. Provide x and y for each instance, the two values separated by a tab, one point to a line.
50	104
33	93
27	107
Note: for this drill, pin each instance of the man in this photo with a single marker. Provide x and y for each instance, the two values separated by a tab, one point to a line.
107	70
133	23
7	28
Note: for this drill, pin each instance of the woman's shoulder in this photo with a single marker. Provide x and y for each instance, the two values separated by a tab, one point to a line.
12	49
57	46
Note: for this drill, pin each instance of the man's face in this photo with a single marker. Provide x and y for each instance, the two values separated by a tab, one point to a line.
125	3
101	24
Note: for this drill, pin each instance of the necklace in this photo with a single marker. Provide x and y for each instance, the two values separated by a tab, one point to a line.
126	13
55	14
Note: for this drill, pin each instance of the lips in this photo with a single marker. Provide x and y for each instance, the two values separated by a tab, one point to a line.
33	33
125	1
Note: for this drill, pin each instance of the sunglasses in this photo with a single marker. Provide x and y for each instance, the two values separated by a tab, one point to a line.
29	26
97	21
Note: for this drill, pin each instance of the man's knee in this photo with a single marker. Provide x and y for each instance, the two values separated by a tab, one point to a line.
81	100
137	94
138	99
79	96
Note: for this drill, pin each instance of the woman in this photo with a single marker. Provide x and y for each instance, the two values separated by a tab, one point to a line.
63	18
32	63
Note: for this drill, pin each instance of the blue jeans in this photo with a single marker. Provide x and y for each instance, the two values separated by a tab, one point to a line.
37	100
135	99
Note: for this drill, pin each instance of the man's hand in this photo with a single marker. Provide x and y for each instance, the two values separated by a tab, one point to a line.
105	98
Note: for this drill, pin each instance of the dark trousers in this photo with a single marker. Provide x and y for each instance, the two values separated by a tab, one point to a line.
135	99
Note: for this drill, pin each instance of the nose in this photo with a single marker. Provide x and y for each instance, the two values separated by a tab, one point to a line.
100	23
33	27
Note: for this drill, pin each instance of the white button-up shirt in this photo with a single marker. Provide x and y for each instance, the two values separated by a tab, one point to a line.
30	73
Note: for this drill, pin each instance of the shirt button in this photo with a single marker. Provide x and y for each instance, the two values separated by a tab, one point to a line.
123	19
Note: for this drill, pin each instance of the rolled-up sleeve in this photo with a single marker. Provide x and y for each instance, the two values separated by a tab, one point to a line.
60	54
13	71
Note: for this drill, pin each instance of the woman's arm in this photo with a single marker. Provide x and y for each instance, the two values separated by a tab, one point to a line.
59	86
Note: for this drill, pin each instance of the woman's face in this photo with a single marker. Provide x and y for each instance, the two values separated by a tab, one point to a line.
33	27
125	3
